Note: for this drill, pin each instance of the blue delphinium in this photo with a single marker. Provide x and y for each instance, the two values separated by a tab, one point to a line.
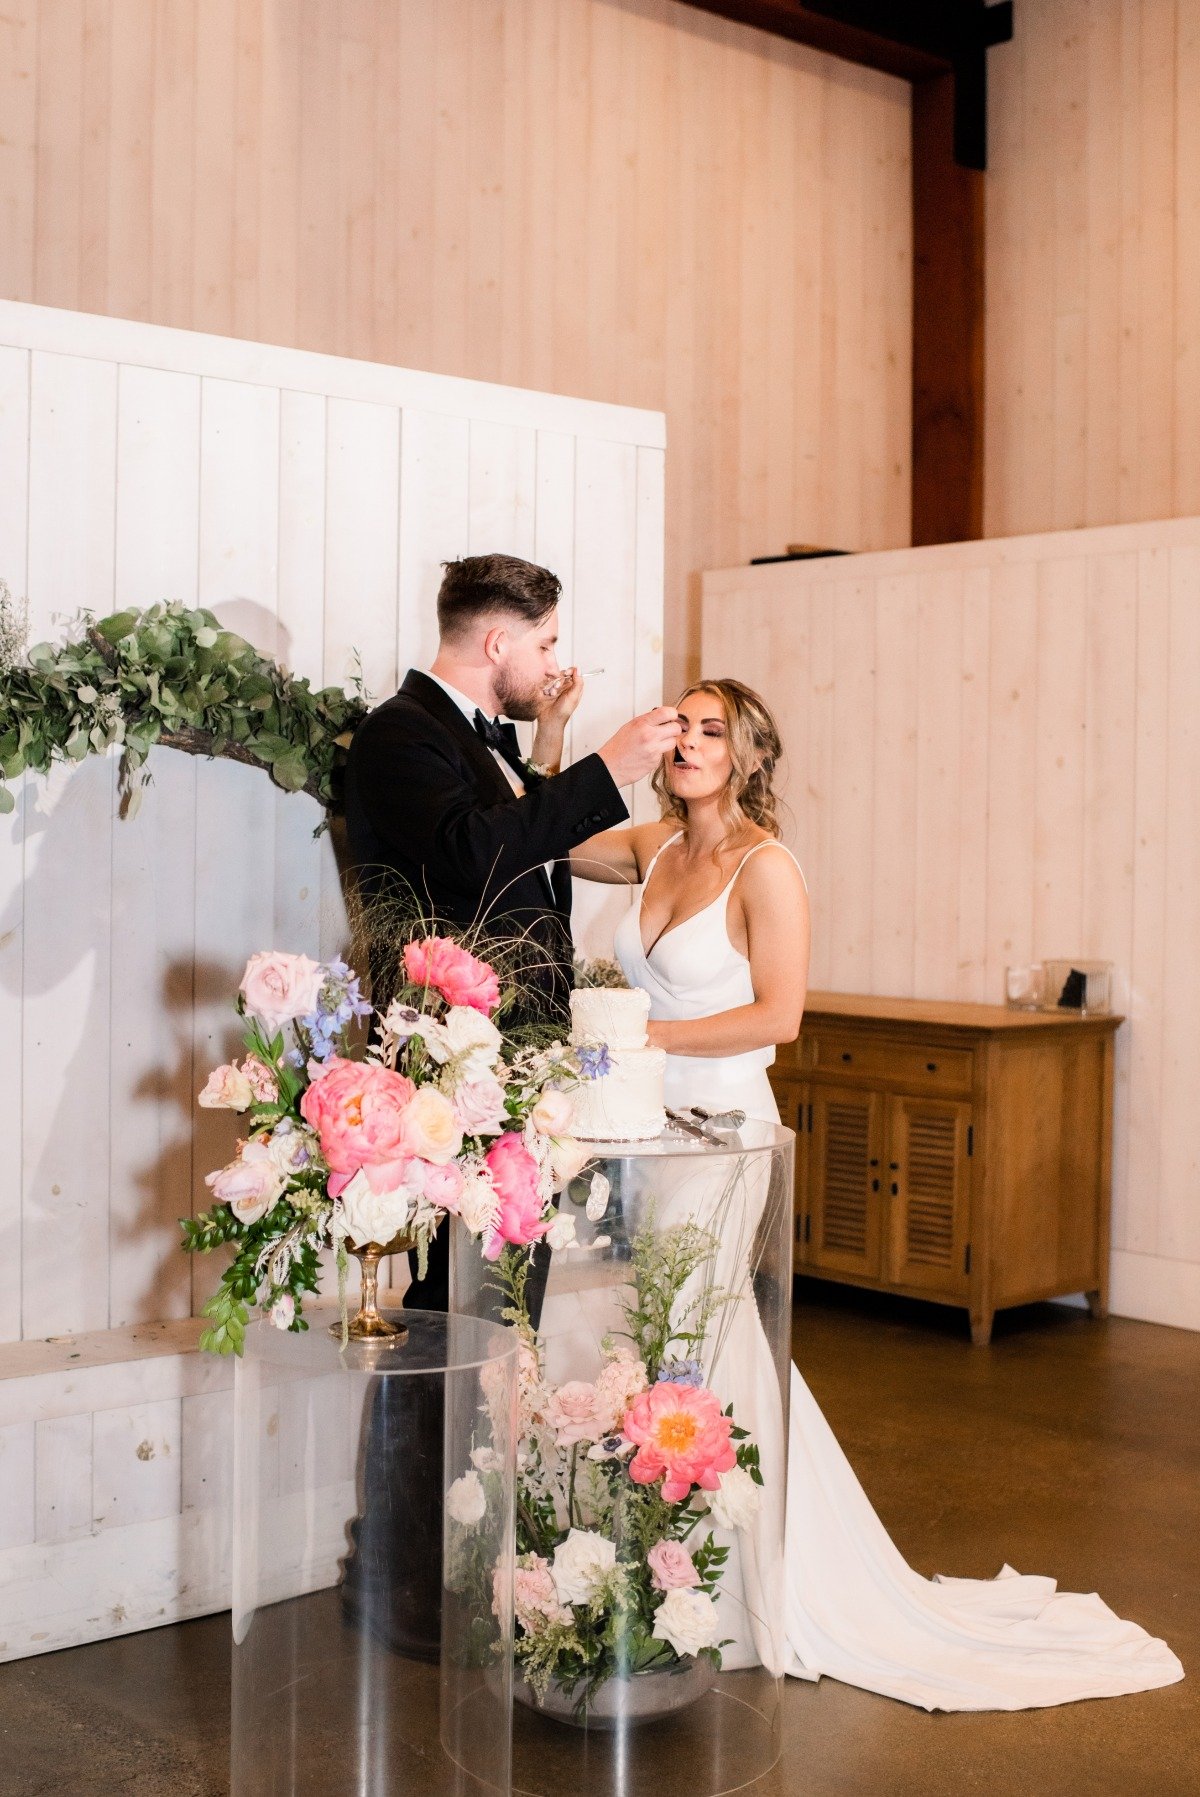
680	1372
340	1001
594	1063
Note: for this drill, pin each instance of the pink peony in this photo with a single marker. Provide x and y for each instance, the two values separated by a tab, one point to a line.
515	1178
446	966
277	988
552	1114
443	1185
358	1110
681	1437
671	1567
617	1385
574	1415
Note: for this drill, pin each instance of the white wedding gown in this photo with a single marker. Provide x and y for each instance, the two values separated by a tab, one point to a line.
854	1610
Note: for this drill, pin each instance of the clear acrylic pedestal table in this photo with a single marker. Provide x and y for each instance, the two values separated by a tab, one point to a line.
661	1720
372	1561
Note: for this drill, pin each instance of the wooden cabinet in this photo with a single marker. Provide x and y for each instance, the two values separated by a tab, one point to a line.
955	1152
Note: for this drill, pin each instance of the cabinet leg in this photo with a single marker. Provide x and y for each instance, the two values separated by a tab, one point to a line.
981	1327
1097	1303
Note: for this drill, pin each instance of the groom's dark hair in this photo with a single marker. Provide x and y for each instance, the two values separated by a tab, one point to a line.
479	585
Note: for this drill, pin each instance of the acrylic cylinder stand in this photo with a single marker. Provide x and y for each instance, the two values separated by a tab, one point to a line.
690	1730
368	1656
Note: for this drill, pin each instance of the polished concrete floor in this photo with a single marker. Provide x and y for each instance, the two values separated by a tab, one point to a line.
1067	1447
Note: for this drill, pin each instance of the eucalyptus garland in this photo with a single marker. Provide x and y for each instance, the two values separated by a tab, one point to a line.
172	676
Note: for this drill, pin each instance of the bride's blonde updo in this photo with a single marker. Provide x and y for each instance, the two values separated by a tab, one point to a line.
754	749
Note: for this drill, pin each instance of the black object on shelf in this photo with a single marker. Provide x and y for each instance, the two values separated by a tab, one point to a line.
803	552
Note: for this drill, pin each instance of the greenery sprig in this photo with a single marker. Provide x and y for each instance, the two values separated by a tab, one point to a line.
170	675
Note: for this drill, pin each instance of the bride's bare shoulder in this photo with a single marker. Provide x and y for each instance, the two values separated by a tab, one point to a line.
773	877
647	839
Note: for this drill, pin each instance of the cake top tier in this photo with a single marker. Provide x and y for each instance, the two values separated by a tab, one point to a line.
613	1015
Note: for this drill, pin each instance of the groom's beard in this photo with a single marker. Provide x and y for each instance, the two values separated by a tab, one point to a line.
516	700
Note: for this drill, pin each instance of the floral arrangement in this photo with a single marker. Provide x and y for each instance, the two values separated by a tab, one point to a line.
171	674
620	1481
438	1115
601	971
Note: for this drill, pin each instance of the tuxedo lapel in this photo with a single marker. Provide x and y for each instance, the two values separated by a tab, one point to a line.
430	697
493	782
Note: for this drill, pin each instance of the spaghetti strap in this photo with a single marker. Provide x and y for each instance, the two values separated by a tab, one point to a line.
654	858
769	842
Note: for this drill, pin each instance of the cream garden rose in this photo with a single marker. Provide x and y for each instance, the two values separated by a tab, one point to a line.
227	1089
469	1034
431	1126
249	1185
552	1114
687	1620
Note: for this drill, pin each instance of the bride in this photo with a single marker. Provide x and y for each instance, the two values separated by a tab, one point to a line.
719	939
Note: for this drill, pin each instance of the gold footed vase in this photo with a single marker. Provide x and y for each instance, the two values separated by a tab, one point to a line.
366	1325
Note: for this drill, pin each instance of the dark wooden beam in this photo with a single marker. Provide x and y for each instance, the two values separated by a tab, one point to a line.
821	30
948	301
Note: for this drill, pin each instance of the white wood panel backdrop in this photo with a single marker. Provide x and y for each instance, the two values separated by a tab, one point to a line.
309	500
994	756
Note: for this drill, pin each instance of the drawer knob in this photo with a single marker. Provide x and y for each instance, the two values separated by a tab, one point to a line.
847	1056
931	1066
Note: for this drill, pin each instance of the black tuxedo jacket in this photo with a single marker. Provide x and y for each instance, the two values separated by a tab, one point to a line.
429	809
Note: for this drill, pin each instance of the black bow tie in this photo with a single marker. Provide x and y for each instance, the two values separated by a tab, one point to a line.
502	738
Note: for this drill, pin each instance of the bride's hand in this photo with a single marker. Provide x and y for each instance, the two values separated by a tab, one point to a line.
658	1034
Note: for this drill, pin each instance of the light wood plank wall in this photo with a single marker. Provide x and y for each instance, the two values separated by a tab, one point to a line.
309	501
623	200
1093	266
993	756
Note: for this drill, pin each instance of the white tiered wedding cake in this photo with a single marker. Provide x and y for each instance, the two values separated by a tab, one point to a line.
620	1098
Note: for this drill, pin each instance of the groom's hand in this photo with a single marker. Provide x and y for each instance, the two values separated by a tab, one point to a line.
562	698
639	746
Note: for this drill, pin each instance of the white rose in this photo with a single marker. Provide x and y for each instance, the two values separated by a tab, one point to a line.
291	1149
581	1562
468	1032
478	1205
466	1501
433	1035
737	1502
561	1233
369	1216
283	1312
688	1620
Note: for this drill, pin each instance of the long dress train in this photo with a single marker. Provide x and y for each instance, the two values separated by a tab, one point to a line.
855	1611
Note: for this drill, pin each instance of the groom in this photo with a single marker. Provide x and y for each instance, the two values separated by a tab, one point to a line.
440	804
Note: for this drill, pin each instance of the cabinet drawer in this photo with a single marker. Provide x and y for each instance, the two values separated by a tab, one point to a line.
914	1068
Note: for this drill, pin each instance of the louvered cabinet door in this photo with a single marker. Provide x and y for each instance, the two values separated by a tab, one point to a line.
844	1152
928	1194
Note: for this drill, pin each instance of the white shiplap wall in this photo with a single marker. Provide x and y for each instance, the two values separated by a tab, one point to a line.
309	500
994	756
